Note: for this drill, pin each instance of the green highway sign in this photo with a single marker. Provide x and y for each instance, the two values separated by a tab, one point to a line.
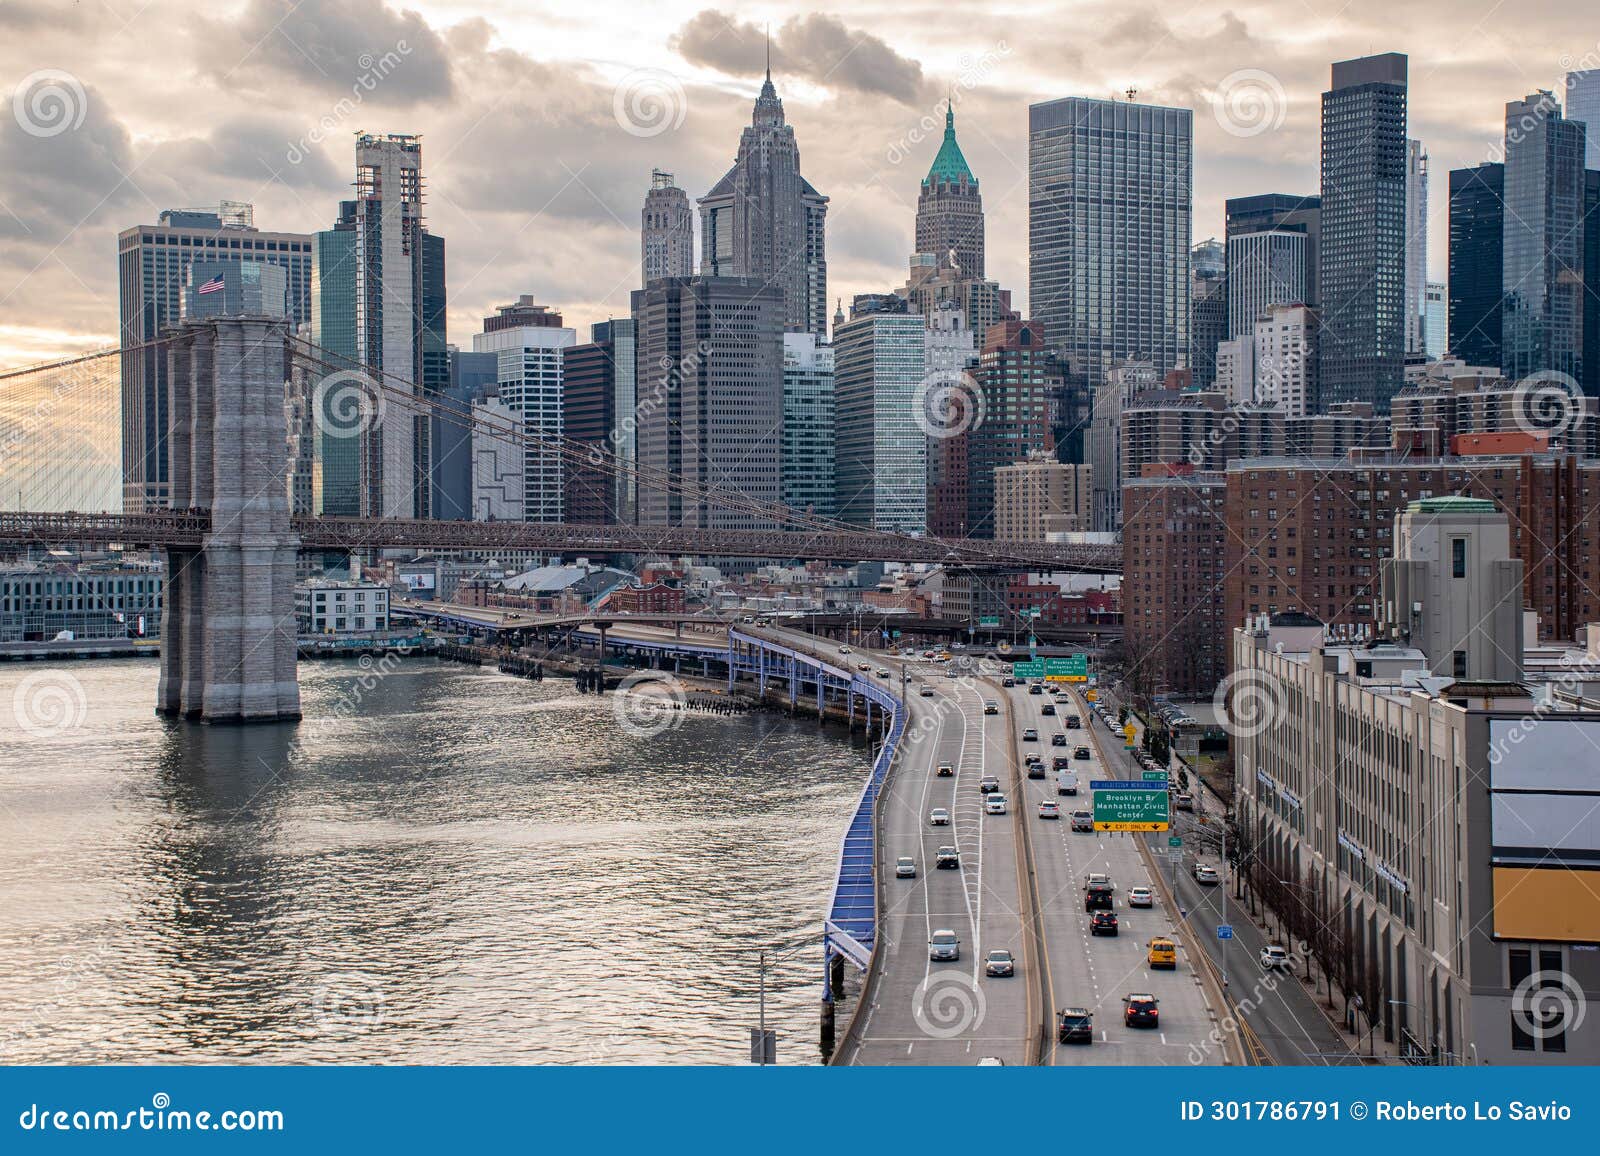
1154	776
1031	669
1174	841
1129	805
989	620
1073	668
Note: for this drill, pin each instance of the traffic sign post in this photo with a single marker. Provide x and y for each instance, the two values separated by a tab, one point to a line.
1030	669
1129	805
1174	841
1224	931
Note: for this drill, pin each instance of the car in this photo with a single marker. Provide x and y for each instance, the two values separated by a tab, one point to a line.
1139	1010
947	858
1275	957
1097	897
1141	897
1162	952
864	666
945	770
999	963
1074	1025
844	650
905	867
1074	723
944	946
988	783
991	1062
1184	801
1206	875
994	804
1103	923
1048	708
991	708
1030	735
1058	739
926	692
1082	821
1008	682
1082	753
1035	770
1035	688
1060	762
1049	809
938	817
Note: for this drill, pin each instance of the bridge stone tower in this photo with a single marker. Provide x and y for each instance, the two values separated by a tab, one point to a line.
228	627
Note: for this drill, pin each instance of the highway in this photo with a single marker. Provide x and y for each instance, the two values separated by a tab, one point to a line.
1284	1017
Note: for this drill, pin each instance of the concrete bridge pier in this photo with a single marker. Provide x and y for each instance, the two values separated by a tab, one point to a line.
228	622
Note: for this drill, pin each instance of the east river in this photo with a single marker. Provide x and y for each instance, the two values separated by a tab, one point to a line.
464	868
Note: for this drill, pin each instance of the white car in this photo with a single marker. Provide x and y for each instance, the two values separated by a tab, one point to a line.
883	672
1206	875
926	692
938	817
1141	897
944	947
1275	957
844	650
1049	810
905	867
994	804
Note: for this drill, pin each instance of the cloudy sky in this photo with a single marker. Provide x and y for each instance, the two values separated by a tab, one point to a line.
541	122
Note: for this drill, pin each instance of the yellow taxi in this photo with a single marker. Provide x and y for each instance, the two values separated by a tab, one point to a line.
1163	953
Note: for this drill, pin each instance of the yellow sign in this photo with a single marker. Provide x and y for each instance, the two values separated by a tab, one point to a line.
1067	678
1128	731
1092	695
1132	826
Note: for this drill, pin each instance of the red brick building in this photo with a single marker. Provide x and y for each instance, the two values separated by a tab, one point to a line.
656	598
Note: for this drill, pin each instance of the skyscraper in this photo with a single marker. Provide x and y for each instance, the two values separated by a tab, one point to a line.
529	341
710	397
666	234
1208	309
950	208
881	449
1416	246
1477	235
1282	212
1436	324
1267	268
400	333
764	221
1109	191
1541	322
333	327
597	400
808	425
152	270
1018	376
1363	230
1583	103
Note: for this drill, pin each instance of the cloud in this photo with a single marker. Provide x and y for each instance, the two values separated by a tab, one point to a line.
815	47
331	46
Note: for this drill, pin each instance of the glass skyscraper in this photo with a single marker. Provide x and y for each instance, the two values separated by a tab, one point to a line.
1583	103
882	446
1363	221
333	327
1541	322
808	425
1109	194
1477	231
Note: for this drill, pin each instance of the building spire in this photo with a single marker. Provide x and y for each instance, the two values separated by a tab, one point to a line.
769	53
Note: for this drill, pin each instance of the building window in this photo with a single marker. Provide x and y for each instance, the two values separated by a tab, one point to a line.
1459	664
1458	557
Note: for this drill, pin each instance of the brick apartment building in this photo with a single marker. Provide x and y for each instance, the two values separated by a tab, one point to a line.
1201	552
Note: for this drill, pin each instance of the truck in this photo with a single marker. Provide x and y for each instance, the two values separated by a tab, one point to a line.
1066	781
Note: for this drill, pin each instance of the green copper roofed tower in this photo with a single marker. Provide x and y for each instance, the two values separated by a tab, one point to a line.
950	209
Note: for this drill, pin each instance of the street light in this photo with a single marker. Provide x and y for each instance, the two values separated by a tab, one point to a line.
761	1037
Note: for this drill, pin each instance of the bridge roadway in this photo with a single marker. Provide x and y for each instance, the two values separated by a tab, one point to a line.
189	529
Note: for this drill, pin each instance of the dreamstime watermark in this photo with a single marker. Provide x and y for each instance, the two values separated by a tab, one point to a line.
49	703
1571	681
971	72
1525	123
49	102
948	403
1248	702
347	1001
1546	403
72	974
1249	102
374	70
649	703
669	378
1547	1004
372	672
948	1003
1228	1026
347	403
648	102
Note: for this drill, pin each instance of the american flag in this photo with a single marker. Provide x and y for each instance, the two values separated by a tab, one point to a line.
212	286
